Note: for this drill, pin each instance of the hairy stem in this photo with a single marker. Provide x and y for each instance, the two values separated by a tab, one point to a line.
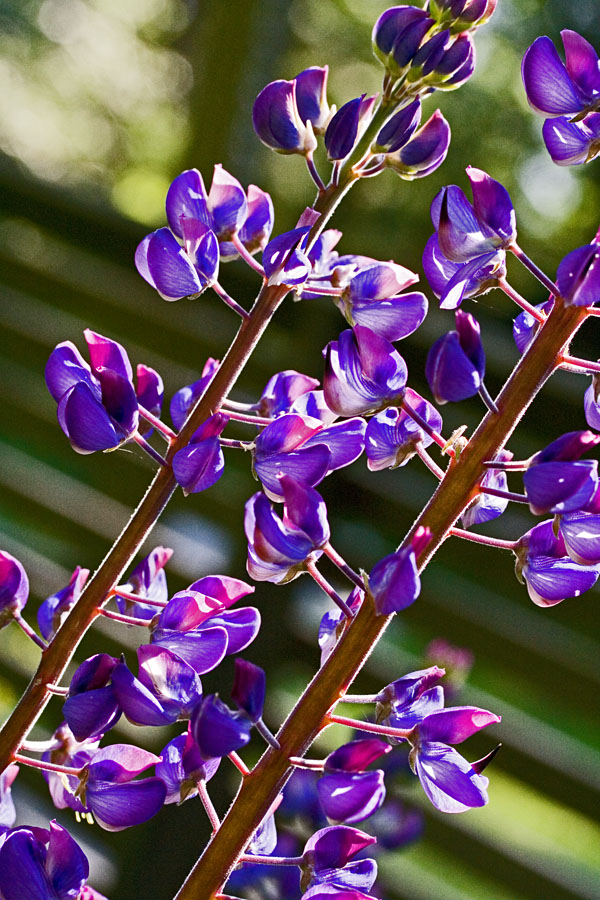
311	713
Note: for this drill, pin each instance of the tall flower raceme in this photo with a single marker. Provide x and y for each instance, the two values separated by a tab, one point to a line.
423	49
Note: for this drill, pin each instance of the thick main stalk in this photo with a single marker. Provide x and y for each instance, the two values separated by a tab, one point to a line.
459	486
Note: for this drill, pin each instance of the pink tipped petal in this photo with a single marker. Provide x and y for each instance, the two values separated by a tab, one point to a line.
456	724
335	846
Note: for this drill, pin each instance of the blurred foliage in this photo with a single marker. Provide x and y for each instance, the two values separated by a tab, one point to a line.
104	102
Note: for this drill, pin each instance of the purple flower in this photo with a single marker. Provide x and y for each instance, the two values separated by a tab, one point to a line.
282	389
40	864
97	406
305	450
177	271
186	397
249	686
572	143
394	582
284	259
580	532
468	230
276	116
525	327
398	130
578	276
56	608
182	767
392	436
363	373
108	791
346	791
557	89
425	151
150	392
451	783
396	825
550	575
334	622
328	864
14	587
408	700
67	751
7	807
148	582
278	548
554	483
372	298
397	35
453	67
166	689
200	464
91	707
311	97
216	729
465	14
454	282
487	506
456	362
198	625
347	125
591	404
225	210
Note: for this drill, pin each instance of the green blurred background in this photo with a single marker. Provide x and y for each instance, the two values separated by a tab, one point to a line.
103	103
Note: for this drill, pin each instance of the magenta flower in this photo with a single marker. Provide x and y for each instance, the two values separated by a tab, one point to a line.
97	405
